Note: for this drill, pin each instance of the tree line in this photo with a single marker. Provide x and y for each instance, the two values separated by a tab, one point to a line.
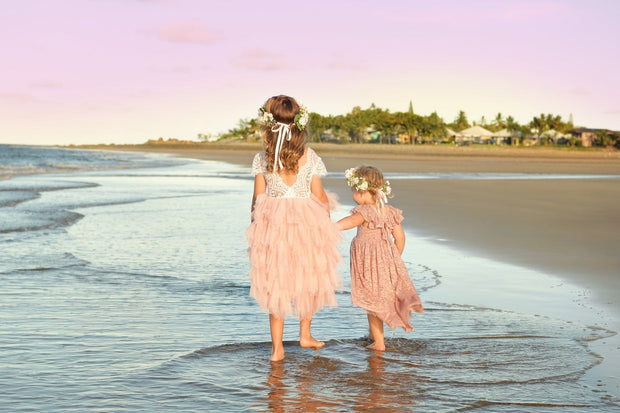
381	125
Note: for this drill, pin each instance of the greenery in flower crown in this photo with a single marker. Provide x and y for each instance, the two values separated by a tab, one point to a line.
301	118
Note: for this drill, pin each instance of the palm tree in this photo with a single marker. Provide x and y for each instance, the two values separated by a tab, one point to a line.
461	122
499	122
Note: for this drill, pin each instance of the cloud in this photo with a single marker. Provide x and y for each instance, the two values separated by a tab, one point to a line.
345	65
260	60
579	91
173	69
178	70
472	14
142	93
17	97
191	31
46	84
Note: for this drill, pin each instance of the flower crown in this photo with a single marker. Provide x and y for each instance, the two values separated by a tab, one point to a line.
300	120
359	183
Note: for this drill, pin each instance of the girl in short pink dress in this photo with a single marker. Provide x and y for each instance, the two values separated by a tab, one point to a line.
380	283
293	242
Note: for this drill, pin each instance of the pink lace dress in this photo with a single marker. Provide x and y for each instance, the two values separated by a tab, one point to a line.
293	242
380	283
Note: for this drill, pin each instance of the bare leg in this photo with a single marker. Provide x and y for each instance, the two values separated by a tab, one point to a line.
305	338
375	325
276	326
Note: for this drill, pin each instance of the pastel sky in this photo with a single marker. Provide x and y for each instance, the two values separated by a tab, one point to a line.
125	71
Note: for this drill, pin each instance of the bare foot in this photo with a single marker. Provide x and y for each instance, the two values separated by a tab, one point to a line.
311	342
375	346
277	354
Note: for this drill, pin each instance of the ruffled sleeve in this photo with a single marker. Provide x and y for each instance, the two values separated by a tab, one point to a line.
391	218
369	214
318	167
394	216
258	164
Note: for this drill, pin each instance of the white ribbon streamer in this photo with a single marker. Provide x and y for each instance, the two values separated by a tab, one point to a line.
284	132
381	199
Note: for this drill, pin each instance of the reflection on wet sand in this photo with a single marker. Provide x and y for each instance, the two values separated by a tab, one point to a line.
320	383
277	390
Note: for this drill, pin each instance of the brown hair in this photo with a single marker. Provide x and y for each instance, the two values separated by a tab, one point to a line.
283	108
374	176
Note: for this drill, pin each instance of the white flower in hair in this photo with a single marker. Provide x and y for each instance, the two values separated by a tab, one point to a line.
264	117
356	182
301	119
387	189
359	183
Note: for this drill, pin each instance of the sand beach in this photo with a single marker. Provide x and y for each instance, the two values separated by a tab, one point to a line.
124	255
568	227
549	210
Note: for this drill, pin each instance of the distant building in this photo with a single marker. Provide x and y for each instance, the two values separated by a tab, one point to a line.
587	136
475	134
502	136
555	136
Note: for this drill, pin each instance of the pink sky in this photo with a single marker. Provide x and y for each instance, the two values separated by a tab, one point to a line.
124	71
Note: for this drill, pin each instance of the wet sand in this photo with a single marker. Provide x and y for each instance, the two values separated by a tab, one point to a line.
565	227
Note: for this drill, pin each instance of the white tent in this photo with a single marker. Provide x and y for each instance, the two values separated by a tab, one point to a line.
502	134
450	132
476	132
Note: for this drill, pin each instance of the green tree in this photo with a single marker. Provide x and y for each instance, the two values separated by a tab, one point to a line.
460	122
605	138
515	130
499	122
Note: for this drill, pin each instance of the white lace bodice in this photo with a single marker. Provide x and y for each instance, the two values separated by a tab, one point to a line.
276	187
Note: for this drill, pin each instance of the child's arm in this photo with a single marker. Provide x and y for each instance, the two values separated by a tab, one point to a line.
316	187
260	187
351	221
399	238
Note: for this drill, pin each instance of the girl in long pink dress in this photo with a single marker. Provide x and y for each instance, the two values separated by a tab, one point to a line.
380	283
293	242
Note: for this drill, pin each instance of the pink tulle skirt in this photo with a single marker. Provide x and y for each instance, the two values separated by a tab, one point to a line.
294	256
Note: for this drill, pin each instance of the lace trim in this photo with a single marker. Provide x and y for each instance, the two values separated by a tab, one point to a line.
301	188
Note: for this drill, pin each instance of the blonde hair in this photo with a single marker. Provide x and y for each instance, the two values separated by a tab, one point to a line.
283	108
374	176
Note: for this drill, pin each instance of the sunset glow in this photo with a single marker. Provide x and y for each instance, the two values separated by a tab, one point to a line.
95	71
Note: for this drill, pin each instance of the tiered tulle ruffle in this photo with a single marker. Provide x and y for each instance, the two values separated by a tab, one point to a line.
294	256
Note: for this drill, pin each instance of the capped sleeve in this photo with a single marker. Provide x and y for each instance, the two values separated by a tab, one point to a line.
258	164
318	167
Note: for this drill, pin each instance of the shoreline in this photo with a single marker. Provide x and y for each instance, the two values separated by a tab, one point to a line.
559	228
563	227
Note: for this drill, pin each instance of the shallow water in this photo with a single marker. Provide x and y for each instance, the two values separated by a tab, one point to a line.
127	290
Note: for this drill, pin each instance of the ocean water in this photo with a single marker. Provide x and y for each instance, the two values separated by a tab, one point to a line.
124	287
